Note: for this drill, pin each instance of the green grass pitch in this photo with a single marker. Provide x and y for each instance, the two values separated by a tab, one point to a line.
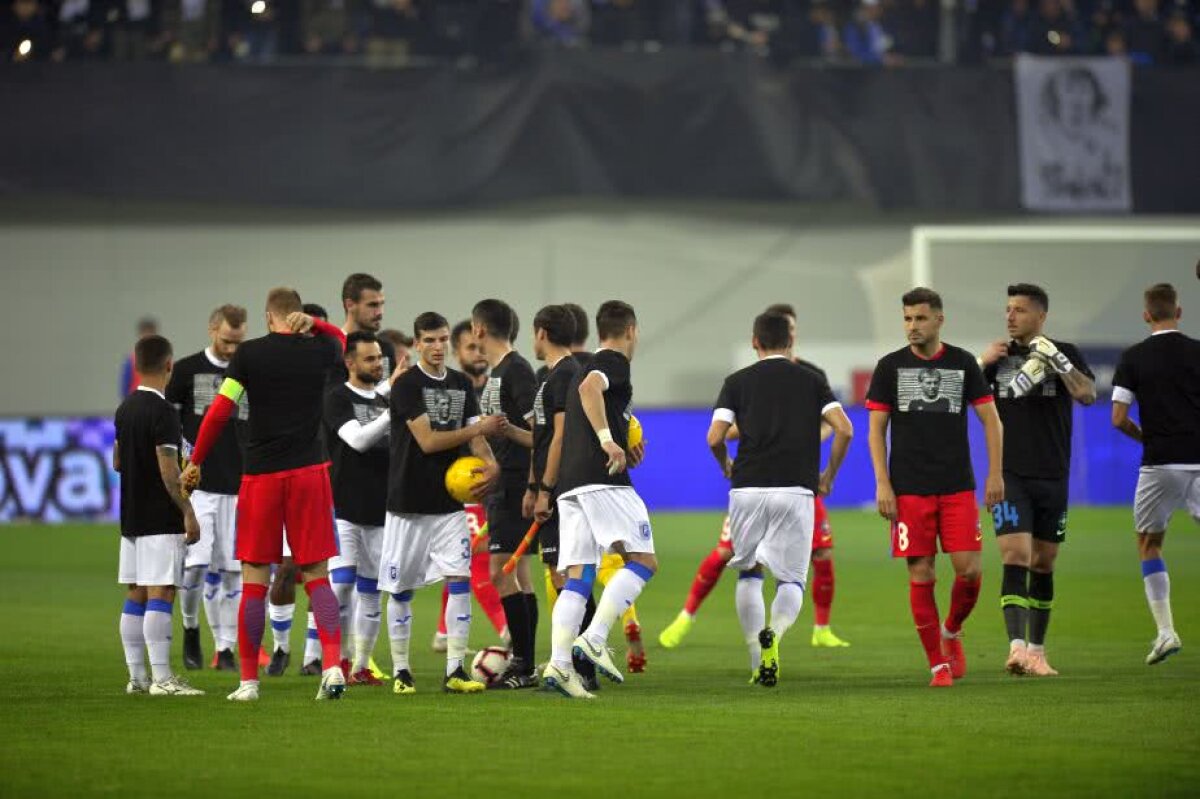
853	722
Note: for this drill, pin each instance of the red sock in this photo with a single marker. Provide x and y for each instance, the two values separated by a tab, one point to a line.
822	591
251	621
327	615
963	596
706	580
442	615
489	599
925	615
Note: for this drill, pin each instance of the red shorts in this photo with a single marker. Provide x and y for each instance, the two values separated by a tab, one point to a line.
822	534
923	522
299	501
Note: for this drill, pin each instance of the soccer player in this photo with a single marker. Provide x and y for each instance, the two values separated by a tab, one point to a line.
927	490
509	392
1031	522
434	418
401	344
285	482
778	406
194	384
157	521
599	509
1161	374
362	301
713	565
356	428
468	352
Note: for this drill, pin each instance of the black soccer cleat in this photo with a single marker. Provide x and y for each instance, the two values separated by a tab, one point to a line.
515	677
226	661
311	669
193	657
279	663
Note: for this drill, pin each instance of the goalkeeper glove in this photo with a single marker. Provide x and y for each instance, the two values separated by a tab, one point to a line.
1029	377
1043	348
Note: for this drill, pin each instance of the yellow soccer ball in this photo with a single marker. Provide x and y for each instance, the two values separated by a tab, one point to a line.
635	432
461	477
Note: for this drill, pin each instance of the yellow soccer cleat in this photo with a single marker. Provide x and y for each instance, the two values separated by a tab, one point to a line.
404	684
823	636
768	669
677	630
460	683
376	672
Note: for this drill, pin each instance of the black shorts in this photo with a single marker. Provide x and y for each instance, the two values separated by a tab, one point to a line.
1032	505
506	526
548	541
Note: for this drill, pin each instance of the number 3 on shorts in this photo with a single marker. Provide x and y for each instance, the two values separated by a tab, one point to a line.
902	536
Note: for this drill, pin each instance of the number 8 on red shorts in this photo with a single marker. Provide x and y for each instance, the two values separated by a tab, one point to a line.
924	522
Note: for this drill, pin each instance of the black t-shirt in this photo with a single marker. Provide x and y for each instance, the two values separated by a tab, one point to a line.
509	391
551	399
195	383
144	422
359	479
777	405
417	481
1163	374
339	375
928	401
584	461
1037	426
284	378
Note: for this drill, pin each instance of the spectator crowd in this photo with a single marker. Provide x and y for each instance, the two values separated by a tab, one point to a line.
397	32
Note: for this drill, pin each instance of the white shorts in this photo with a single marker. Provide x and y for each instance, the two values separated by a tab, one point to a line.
152	560
359	548
217	547
772	527
591	521
1160	492
420	548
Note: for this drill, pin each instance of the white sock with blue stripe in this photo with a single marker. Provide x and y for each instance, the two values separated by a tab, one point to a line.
565	619
399	615
281	625
133	639
190	593
366	621
231	600
1158	595
214	606
751	613
342	581
312	641
156	627
621	592
458	624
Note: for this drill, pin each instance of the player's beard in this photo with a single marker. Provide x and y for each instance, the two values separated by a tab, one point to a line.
473	370
369	378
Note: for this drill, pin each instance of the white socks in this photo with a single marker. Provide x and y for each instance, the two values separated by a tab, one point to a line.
345	598
281	625
156	628
789	597
190	593
565	620
133	639
366	628
312	641
230	599
399	617
1158	595
621	592
751	613
458	624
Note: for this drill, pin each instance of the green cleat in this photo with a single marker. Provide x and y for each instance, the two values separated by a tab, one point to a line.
823	636
677	630
768	670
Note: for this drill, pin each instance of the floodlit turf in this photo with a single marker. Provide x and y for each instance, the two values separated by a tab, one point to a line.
850	722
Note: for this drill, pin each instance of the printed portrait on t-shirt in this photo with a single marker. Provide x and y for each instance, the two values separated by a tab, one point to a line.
930	390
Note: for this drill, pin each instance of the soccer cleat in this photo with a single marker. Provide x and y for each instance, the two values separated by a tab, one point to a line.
1036	665
377	672
264	660
224	661
246	692
439	642
173	686
586	673
823	636
952	648
347	668
635	658
564	682
459	683
404	683
364	677
1017	655
311	669
136	687
193	658
279	663
677	630
600	657
942	677
1164	647
515	677
333	684
768	668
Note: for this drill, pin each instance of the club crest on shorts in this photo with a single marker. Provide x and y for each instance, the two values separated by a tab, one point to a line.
644	530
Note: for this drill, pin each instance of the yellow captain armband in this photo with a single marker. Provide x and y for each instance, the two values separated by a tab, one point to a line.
232	390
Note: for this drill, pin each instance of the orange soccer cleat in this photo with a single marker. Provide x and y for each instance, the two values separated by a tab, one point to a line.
1036	665
364	677
942	678
635	658
953	649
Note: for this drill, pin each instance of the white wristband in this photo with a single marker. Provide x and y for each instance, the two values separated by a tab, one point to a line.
605	436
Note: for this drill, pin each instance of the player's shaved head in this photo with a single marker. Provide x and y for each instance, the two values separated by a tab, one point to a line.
581	323
613	319
1162	302
152	354
282	301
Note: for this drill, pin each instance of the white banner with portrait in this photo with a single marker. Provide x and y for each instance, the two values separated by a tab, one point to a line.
1073	118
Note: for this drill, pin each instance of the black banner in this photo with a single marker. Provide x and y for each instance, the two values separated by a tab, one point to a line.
671	124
